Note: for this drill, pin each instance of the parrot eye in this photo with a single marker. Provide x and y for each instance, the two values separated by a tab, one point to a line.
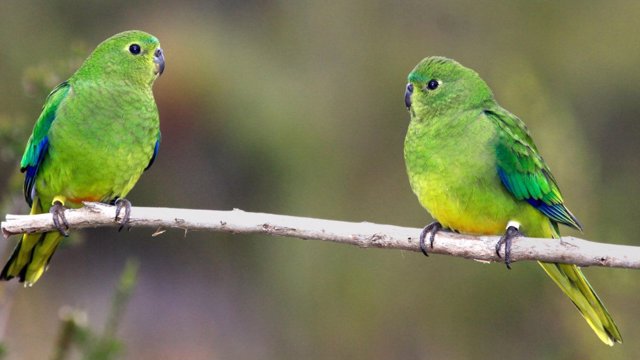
134	49
433	84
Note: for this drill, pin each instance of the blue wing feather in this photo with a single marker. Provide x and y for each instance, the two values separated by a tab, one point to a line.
524	173
32	170
155	152
38	145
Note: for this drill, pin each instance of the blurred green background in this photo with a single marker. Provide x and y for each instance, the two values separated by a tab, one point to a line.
296	107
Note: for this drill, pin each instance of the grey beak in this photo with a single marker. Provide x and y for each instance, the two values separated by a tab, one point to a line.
407	95
158	58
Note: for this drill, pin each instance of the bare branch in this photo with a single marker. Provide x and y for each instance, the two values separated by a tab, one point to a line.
567	250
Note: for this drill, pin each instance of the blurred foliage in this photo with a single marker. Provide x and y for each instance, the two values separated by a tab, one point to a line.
296	108
74	329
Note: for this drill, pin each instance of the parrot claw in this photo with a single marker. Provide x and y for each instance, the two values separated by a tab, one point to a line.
120	204
432	228
59	220
506	239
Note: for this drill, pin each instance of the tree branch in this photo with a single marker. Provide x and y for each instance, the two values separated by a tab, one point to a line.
566	250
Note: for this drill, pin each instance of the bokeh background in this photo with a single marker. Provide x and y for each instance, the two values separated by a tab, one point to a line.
296	107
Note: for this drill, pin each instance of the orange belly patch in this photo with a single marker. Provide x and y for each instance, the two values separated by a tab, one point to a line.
80	200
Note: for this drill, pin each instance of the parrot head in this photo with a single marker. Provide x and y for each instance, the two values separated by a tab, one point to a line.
438	84
133	56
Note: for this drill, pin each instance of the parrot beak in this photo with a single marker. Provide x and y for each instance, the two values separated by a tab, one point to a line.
158	58
407	95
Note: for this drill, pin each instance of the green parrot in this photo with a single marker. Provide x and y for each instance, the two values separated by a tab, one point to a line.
475	168
97	133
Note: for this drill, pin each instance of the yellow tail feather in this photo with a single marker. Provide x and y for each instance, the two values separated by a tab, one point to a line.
573	283
31	257
32	254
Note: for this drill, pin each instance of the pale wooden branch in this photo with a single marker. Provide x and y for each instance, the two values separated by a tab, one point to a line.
566	250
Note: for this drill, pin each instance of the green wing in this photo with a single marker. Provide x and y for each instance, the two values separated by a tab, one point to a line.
523	171
38	144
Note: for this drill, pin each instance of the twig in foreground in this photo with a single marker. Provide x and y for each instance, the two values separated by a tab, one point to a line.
566	250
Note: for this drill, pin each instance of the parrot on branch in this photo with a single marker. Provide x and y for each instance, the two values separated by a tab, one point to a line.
475	168
97	133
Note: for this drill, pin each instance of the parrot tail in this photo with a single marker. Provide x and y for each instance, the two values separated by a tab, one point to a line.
31	256
573	283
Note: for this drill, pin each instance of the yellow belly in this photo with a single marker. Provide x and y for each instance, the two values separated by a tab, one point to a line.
482	212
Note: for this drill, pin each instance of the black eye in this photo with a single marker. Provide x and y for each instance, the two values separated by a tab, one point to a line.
134	49
433	84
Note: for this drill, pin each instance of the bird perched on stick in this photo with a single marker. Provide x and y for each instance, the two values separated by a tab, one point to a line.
97	133
474	166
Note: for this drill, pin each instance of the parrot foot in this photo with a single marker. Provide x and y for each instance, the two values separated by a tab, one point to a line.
126	205
59	220
432	228
506	239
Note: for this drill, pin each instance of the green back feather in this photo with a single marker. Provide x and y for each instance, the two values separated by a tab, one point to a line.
38	142
523	171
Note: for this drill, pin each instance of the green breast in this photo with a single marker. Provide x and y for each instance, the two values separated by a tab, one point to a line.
451	164
100	143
